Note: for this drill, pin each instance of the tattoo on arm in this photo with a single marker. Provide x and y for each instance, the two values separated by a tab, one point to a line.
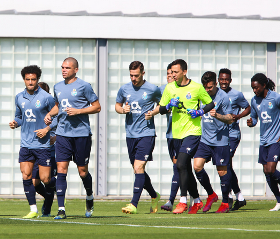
224	118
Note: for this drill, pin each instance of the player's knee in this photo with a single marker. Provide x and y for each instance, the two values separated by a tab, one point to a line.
83	174
26	176
46	179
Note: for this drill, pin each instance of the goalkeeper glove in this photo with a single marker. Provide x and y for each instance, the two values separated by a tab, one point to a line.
173	103
195	113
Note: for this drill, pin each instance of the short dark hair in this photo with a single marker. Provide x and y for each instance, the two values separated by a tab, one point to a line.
32	69
135	65
44	86
73	60
263	80
208	76
225	71
169	66
182	63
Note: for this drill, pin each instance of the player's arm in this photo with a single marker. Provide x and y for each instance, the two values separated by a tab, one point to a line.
227	119
244	113
18	118
54	111
253	119
92	109
152	113
195	113
122	110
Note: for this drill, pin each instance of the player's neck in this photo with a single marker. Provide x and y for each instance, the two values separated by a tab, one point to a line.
70	80
265	93
185	81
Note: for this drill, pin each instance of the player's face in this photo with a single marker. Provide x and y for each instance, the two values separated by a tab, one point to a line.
258	88
31	82
169	76
211	87
136	77
178	74
224	81
68	70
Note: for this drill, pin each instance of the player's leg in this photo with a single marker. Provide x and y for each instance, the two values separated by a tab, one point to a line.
81	158
26	160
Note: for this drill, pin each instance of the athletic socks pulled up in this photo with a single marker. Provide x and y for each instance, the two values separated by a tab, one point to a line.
61	186
148	186
87	181
174	184
29	191
138	188
204	180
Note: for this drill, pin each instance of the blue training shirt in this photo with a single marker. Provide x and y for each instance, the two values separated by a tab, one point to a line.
141	100
78	95
215	132
30	113
268	111
237	101
168	117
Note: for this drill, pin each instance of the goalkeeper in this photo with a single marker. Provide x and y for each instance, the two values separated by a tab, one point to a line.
183	97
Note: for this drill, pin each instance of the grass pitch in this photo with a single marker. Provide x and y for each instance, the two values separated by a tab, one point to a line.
252	221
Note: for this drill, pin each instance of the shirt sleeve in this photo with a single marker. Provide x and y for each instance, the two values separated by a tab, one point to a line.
53	123
253	114
242	102
18	113
277	100
120	98
166	97
157	95
89	93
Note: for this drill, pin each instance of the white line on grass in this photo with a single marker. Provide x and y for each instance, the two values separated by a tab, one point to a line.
130	225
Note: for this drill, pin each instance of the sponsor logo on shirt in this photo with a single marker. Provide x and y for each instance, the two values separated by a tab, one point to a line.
189	96
207	118
144	96
266	117
64	103
135	108
74	92
29	114
37	104
270	105
22	104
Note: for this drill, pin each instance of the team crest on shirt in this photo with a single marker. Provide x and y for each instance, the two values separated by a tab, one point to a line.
215	103
144	96
270	105
37	104
275	157
189	96
74	92
22	104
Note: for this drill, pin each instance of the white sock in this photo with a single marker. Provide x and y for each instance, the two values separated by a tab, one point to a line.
191	201
89	197
196	200
230	195
183	200
239	196
33	208
61	208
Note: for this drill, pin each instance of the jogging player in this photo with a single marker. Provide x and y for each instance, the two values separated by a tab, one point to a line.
178	96
74	101
136	100
265	105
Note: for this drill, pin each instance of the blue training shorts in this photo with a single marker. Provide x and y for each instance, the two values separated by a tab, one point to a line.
220	155
140	148
73	148
187	145
233	143
41	156
269	153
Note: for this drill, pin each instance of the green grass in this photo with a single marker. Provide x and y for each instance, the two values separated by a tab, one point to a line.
251	221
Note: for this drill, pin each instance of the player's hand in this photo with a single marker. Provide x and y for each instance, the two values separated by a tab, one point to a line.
148	115
195	113
173	103
126	108
235	118
72	111
52	140
250	122
213	113
48	119
41	133
13	124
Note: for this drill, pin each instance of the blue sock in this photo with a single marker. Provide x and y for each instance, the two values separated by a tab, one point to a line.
149	187
138	188
225	186
29	190
61	185
204	180
87	181
50	188
40	189
234	180
175	184
276	176
272	183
